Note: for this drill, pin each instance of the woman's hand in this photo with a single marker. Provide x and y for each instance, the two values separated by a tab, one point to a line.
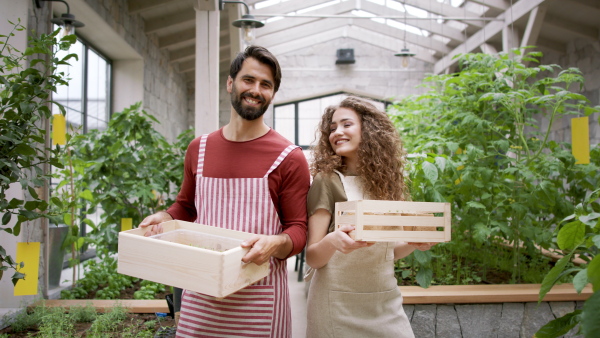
341	240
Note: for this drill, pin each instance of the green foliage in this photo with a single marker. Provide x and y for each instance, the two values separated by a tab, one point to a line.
106	325
102	278
24	321
482	150
27	78
148	290
56	324
83	314
578	235
131	170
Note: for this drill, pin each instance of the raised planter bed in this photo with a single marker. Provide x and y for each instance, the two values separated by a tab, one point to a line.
437	294
493	293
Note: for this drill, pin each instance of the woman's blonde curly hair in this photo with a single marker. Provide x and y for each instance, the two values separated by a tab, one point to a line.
380	153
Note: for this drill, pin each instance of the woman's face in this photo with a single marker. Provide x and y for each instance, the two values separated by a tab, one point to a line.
345	131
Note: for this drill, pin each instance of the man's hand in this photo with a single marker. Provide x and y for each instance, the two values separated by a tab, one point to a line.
153	221
262	247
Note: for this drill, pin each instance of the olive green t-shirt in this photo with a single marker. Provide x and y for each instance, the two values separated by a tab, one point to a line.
325	191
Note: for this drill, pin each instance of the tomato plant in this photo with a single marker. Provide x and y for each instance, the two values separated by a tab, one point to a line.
479	145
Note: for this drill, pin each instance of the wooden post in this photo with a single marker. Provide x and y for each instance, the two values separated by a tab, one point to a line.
207	66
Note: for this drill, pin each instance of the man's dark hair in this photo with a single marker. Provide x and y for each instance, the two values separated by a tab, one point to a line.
262	55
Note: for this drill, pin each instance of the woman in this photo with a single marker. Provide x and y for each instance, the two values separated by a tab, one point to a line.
353	291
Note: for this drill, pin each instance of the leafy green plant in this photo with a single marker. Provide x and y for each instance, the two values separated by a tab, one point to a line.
102	279
24	321
68	198
83	314
106	324
133	170
481	149
55	323
148	290
27	78
578	236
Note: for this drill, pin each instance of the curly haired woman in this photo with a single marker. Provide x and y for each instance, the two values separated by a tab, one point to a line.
353	291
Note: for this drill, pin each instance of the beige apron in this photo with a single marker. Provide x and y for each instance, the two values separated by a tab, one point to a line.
356	294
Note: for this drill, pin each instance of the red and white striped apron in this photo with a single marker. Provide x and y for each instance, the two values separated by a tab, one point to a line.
261	309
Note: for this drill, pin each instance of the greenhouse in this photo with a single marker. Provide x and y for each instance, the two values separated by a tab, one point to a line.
496	102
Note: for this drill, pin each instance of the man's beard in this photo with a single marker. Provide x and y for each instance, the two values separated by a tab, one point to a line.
248	113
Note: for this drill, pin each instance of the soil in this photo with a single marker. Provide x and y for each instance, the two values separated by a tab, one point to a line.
134	322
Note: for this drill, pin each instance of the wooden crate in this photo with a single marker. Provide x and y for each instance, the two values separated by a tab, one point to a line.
184	256
389	221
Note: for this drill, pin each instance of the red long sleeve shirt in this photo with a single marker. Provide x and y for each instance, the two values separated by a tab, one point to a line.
288	183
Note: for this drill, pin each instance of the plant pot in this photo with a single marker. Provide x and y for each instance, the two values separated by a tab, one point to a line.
57	235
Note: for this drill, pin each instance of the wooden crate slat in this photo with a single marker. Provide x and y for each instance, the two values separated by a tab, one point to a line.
403	221
406	221
401	236
402	206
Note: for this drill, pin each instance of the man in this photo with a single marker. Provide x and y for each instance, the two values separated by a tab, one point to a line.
245	177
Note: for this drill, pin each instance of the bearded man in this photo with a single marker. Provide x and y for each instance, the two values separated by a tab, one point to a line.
247	177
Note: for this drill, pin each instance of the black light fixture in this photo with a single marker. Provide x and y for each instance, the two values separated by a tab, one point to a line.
405	53
345	56
247	23
66	20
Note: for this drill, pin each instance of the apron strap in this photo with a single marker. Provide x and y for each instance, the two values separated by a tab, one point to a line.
201	152
280	159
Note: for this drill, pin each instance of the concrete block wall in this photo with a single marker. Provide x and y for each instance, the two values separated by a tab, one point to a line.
165	90
584	55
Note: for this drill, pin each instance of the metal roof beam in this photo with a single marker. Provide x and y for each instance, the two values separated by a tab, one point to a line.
512	14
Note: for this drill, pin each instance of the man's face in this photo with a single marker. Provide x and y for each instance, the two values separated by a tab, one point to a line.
252	90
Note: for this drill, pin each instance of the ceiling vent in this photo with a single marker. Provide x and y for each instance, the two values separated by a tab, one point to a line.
345	56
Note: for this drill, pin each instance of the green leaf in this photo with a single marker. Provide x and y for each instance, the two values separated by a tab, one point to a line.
559	326
86	194
424	277
590	325
552	277
6	218
56	201
570	235
593	273
590	219
580	280
32	192
596	240
476	205
67	219
31	205
422	257
430	171
441	163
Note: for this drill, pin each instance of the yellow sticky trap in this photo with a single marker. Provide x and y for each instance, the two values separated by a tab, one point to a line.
126	224
29	254
580	139
59	129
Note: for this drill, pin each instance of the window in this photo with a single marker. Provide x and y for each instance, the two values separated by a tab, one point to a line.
298	121
87	97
